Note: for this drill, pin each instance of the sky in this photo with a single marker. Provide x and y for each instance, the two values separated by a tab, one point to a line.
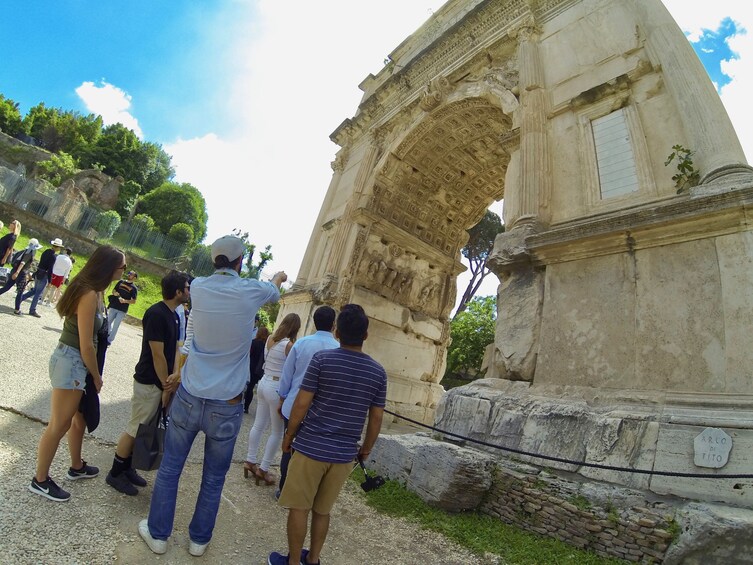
244	93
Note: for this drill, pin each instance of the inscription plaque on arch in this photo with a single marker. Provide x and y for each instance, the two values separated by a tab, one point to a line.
712	447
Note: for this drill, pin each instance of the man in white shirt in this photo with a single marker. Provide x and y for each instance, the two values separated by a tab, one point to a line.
60	271
208	399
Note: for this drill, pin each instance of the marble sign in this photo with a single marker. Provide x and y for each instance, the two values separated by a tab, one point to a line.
712	447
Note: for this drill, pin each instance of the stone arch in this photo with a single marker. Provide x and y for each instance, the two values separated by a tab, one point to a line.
502	98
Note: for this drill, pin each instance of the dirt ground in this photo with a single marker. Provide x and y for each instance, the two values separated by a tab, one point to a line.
99	525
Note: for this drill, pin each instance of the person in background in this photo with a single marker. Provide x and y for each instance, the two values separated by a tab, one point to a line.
256	365
155	379
20	265
123	295
278	347
82	307
42	276
209	397
60	271
295	368
8	240
340	388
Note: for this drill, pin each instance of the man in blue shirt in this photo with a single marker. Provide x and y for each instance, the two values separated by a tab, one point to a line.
208	398
295	368
340	388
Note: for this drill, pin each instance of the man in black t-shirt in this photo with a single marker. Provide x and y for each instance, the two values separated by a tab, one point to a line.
123	295
156	376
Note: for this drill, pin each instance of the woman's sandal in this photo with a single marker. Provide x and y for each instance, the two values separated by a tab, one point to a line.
250	468
265	476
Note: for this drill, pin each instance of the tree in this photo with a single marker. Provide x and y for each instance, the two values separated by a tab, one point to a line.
471	331
480	244
57	168
10	116
182	235
159	165
119	152
127	197
37	120
107	223
251	270
176	203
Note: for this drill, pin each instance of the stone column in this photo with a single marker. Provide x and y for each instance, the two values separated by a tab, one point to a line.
338	166
718	153
342	236
532	199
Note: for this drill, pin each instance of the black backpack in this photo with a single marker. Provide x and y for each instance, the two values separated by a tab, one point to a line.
17	257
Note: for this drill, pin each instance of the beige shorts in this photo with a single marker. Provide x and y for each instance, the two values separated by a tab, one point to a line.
144	404
313	484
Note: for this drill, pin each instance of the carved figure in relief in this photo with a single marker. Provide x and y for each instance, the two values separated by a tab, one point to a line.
372	270
390	278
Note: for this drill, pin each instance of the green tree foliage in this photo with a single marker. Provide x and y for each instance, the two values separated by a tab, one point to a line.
10	116
201	261
250	269
159	167
144	222
480	244
471	331
182	233
118	150
59	130
127	198
57	168
176	203
108	223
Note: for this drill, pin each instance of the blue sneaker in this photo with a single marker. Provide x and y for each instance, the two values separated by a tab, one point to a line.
277	559
85	472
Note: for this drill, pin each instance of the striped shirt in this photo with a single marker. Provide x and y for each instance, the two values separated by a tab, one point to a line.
345	384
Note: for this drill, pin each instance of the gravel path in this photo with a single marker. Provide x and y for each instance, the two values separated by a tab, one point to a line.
99	525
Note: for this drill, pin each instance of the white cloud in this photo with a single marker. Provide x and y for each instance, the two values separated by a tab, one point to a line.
110	102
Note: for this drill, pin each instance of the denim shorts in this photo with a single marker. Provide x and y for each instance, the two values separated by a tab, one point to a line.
67	369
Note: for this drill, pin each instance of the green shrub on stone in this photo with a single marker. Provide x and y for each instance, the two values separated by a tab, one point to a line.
108	223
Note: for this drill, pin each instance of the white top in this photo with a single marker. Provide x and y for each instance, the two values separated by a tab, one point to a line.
180	310
275	358
62	266
223	307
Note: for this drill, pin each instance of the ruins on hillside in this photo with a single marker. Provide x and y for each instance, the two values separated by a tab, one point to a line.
624	307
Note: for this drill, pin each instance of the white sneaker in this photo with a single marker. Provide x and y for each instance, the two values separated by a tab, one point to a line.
158	546
197	549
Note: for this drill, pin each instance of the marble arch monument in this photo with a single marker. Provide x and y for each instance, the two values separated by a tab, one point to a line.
624	307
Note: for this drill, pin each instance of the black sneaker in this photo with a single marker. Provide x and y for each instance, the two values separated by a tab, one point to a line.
121	484
35	314
85	472
49	489
134	477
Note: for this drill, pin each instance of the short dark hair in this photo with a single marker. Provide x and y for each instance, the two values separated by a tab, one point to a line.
222	262
324	318
172	282
352	325
68	251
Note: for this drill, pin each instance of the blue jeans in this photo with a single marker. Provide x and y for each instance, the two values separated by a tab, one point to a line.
220	422
36	292
115	317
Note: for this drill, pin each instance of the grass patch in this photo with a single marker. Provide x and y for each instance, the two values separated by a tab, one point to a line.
479	533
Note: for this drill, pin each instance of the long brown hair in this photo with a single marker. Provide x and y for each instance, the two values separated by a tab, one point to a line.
96	275
288	328
262	333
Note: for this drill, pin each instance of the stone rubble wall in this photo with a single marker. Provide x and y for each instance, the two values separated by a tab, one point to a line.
542	505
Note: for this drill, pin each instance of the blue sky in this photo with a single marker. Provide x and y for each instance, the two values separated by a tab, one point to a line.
244	93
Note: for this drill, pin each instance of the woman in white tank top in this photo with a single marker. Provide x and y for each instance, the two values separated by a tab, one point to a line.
268	401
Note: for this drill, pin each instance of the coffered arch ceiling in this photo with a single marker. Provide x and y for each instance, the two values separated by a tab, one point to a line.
444	174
